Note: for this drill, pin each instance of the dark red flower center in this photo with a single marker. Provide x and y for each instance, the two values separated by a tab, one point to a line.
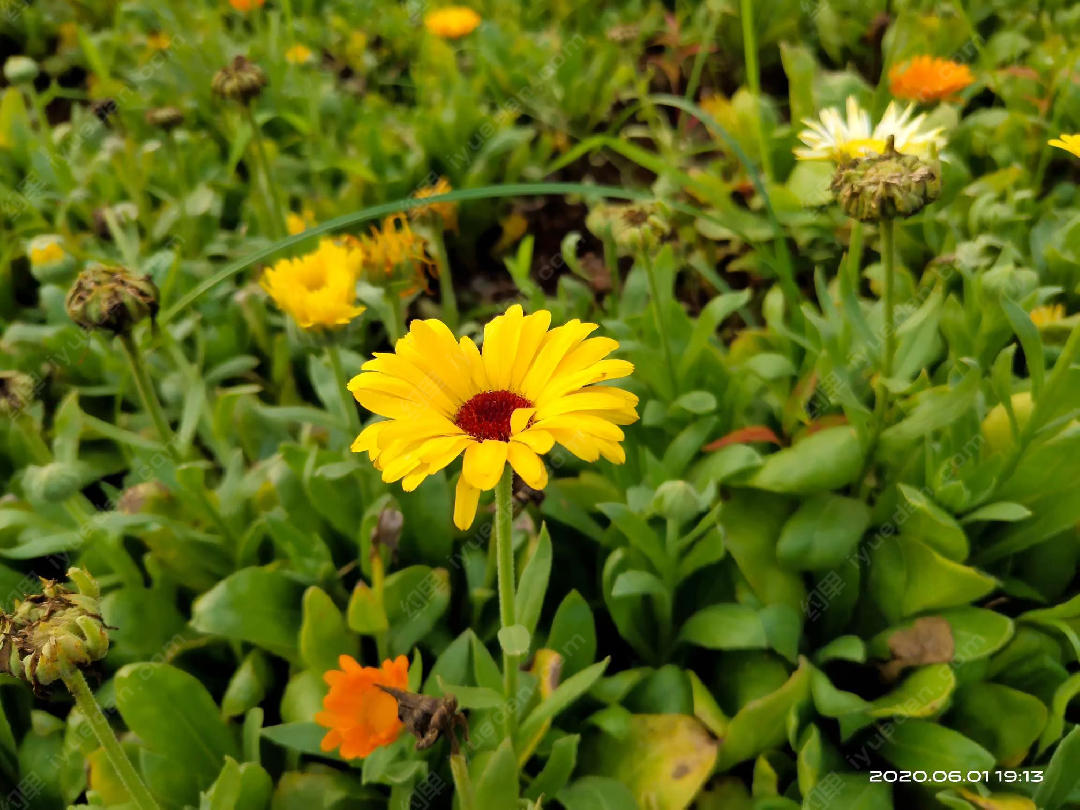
487	415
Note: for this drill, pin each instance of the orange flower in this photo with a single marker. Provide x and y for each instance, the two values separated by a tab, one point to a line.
452	22
926	78
447	211
246	5
360	716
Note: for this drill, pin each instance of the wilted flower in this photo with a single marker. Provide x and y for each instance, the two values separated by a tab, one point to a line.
633	226
395	252
886	186
298	54
452	22
925	78
444	210
167	118
529	388
833	138
361	717
1070	143
50	634
16	392
242	80
319	289
111	299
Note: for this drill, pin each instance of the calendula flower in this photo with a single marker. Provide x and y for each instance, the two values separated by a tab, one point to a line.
1070	143
452	22
298	54
1047	315
298	223
319	289
246	5
528	388
926	78
395	252
886	186
446	211
361	717
836	139
158	41
46	250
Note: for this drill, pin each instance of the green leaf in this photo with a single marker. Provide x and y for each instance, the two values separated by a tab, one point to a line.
573	634
924	745
225	792
935	409
255	605
725	627
248	685
1003	720
565	694
1055	725
557	770
760	724
922	694
529	598
416	597
323	633
1030	342
514	640
637	530
639	583
472	697
823	532
174	715
364	613
826	460
1062	774
711	316
498	786
931	524
302	737
597	793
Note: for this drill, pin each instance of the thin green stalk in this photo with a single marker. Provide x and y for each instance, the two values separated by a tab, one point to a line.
277	216
661	326
148	394
504	555
342	385
611	259
854	257
395	327
753	78
185	222
881	391
699	65
88	705
378	589
447	297
462	782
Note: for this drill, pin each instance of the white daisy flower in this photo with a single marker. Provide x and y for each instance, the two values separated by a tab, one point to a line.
833	138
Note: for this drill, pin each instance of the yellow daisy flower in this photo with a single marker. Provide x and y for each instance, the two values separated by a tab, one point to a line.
1047	315
1070	143
319	289
46	250
452	22
529	388
447	211
395	252
298	223
298	54
834	138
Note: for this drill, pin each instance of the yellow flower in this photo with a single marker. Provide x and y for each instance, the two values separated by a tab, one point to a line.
1070	143
834	138
318	289
452	22
45	251
158	41
361	717
69	36
925	78
528	389
1047	315
298	223
446	211
298	54
395	252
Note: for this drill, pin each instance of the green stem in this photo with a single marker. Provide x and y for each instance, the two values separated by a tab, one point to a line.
881	391
395	327
347	402
186	223
462	782
611	259
378	588
504	555
854	257
277	216
148	394
661	326
88	705
699	65
447	297
753	78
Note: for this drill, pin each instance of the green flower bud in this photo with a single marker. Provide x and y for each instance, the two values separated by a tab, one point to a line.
20	70
886	186
634	227
49	262
241	81
16	393
111	299
679	501
167	118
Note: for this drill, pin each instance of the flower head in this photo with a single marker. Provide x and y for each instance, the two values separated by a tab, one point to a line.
318	289
298	54
632	226
241	80
21	70
925	79
396	252
529	388
1070	143
49	262
444	210
834	138
167	118
298	223
361	717
1048	315
452	22
886	186
246	5
111	299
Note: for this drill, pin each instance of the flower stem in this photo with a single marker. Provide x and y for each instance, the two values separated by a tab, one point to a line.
661	326
447	297
148	394
462	782
277	216
881	390
504	556
611	259
753	79
351	414
378	588
84	700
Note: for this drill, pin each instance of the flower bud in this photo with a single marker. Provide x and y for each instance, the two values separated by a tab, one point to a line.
111	299
241	81
679	501
49	262
167	118
16	393
634	227
886	186
20	70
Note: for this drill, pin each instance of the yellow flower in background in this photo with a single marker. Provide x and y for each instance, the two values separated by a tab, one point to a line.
46	250
246	5
835	138
925	78
158	41
298	223
395	252
446	211
1070	143
529	388
298	54
319	289
69	36
1047	315
452	22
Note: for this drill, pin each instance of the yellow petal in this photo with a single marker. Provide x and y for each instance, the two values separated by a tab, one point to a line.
519	419
591	399
556	344
484	463
443	451
583	423
612	451
581	444
367	440
465	500
539	441
533	329
586	353
528	465
413	480
500	347
563	384
476	365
